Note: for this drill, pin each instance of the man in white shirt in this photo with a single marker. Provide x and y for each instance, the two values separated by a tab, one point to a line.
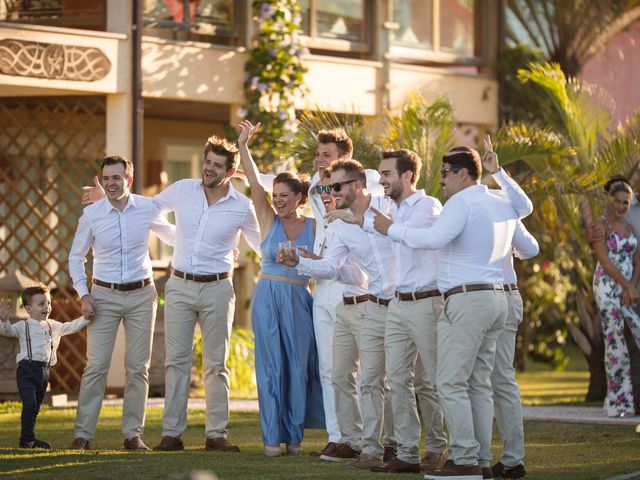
374	255
210	215
117	229
506	393
333	145
473	238
412	320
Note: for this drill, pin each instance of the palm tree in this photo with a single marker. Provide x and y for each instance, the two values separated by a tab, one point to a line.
568	32
587	153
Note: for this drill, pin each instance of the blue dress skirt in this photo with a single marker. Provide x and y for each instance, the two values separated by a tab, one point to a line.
289	391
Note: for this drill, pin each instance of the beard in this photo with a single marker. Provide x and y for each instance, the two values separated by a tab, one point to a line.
214	182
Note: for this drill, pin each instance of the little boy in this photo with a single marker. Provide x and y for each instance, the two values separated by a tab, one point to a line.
39	338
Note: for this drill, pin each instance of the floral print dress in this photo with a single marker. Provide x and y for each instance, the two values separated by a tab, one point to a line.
614	314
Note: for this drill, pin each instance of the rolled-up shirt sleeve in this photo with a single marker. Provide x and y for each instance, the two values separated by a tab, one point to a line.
82	241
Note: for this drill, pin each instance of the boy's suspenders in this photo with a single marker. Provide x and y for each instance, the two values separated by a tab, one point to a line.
29	349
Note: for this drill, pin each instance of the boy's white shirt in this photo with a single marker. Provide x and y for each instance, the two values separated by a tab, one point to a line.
41	336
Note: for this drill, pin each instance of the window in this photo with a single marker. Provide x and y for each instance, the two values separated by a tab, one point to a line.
83	14
207	20
436	30
336	25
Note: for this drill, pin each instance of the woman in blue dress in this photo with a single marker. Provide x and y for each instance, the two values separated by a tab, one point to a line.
289	392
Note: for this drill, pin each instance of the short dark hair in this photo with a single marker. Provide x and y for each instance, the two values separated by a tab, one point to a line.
352	167
465	157
406	161
221	146
297	184
30	292
118	159
616	184
339	137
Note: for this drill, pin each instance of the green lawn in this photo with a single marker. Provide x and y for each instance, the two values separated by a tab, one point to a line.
554	451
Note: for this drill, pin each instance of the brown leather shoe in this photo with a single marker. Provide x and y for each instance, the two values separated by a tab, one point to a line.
341	452
365	462
220	444
433	460
79	444
487	474
135	443
397	466
389	453
328	447
502	471
451	470
169	444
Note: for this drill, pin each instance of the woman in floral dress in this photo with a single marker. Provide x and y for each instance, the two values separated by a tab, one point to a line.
614	285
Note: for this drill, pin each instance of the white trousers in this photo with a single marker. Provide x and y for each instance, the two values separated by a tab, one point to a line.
326	298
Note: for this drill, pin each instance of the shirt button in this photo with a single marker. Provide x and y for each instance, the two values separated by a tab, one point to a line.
326	226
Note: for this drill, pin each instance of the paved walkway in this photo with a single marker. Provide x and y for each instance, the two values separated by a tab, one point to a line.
563	414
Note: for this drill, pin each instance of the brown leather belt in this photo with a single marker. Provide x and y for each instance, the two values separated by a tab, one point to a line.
355	300
123	287
405	297
473	287
201	278
379	301
510	287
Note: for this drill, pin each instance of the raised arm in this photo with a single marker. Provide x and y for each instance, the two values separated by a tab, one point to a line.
264	211
519	200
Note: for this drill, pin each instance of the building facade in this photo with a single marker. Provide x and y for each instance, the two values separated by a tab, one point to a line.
152	79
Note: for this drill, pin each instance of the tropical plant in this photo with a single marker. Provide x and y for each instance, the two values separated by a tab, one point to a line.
274	78
360	129
587	153
568	32
427	129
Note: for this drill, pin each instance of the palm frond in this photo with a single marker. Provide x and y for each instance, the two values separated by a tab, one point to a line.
359	128
427	129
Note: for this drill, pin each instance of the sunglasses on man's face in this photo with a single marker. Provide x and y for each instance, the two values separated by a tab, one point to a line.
323	188
444	171
336	187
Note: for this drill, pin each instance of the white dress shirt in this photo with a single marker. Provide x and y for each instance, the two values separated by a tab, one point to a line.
510	190
206	235
41	337
473	236
371	251
120	241
415	267
524	246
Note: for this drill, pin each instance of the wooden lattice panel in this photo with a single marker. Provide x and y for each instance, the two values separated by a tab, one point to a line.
49	148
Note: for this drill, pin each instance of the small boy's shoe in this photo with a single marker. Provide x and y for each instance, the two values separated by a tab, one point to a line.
36	444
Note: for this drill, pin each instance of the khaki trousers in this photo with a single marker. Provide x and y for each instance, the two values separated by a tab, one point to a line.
212	305
346	355
506	393
375	405
137	311
411	334
467	332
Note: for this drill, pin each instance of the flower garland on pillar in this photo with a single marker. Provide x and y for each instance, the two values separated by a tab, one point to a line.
274	78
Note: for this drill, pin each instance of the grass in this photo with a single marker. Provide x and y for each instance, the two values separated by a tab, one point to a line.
554	451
